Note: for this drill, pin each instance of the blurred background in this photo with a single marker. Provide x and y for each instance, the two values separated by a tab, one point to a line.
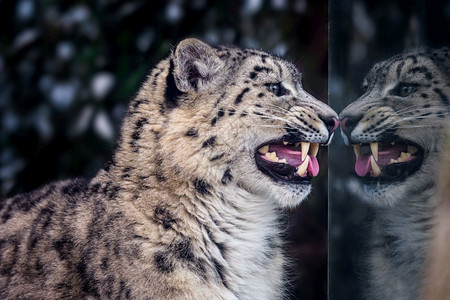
363	32
69	68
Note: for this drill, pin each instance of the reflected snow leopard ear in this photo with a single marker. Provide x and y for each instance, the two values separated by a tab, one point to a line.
197	66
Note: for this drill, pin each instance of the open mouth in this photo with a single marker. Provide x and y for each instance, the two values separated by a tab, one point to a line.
288	162
390	161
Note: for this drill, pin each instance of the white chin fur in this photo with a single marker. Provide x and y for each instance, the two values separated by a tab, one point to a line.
292	195
284	195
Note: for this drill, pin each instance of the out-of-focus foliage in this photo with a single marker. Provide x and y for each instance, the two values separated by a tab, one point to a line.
69	68
363	32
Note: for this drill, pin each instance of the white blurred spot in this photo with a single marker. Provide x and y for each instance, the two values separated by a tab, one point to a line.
83	121
80	13
65	50
90	29
211	36
45	83
25	10
174	12
62	94
249	42
11	167
300	6
362	21
25	38
280	49
128	9
42	122
101	85
103	126
251	7
76	15
279	4
145	40
10	121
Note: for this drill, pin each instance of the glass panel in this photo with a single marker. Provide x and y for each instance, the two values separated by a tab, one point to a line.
361	34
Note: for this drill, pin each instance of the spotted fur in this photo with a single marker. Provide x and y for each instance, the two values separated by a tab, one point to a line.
403	209
181	212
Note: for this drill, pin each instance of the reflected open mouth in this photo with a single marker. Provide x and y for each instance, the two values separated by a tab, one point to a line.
290	162
387	161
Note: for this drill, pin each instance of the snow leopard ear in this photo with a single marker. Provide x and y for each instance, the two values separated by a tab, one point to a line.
197	66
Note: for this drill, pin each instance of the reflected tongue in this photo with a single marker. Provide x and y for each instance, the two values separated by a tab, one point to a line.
313	166
362	165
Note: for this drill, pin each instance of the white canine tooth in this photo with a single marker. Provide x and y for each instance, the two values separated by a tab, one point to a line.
272	156
264	149
411	149
357	150
392	161
314	149
374	149
305	149
303	167
284	161
285	143
375	168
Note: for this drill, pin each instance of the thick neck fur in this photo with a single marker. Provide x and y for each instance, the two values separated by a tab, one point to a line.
400	241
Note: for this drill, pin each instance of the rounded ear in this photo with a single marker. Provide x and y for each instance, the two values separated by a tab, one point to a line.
197	66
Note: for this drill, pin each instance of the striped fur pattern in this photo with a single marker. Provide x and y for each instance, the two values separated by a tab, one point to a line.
404	208
181	212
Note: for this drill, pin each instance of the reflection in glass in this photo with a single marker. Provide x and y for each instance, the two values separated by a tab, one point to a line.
381	207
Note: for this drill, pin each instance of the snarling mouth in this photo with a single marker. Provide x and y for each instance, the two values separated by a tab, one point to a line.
288	162
387	161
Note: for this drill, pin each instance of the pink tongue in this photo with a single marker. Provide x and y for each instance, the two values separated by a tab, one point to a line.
362	165
294	158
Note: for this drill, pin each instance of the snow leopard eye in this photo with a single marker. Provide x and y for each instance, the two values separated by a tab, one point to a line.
277	89
405	89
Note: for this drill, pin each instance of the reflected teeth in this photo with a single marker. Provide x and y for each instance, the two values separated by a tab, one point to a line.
263	149
285	143
404	157
357	150
301	170
392	161
375	168
305	150
314	149
374	149
411	149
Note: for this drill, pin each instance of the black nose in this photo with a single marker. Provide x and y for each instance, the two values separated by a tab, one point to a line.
330	122
349	123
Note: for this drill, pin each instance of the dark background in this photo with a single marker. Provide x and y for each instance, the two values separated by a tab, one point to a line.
69	68
361	34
